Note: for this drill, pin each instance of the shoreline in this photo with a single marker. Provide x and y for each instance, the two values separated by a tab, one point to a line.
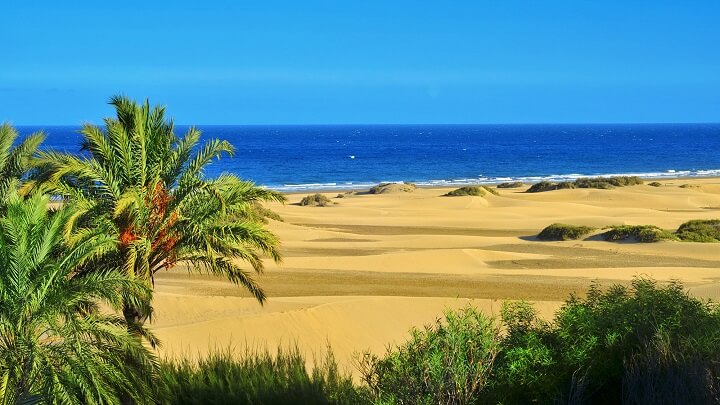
361	187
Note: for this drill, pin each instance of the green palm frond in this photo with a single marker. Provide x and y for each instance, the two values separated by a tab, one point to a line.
16	161
145	188
55	344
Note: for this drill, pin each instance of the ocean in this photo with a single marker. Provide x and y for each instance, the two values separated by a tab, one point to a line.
319	157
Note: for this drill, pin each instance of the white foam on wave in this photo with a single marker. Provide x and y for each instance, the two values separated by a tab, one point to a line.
351	185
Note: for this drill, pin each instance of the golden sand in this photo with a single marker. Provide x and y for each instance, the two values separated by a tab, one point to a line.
358	274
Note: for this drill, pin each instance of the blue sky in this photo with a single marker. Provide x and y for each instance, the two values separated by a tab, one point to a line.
300	62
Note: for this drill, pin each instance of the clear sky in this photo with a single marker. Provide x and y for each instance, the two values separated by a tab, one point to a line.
285	62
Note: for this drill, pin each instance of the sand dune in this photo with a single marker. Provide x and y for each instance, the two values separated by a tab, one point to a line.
358	274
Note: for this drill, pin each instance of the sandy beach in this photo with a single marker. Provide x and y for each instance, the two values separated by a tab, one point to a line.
358	274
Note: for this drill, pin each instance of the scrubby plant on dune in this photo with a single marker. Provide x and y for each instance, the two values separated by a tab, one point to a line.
655	184
144	186
638	233
255	377
56	344
550	186
594	182
384	188
315	200
476	191
556	232
15	159
514	184
608	182
700	230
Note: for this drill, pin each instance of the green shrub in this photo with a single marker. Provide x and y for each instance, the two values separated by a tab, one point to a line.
384	188
700	230
689	186
340	196
638	233
491	190
477	191
613	341
514	184
255	377
587	182
608	182
655	184
564	232
315	200
549	186
449	362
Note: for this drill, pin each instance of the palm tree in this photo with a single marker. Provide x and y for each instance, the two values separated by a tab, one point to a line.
56	345
15	161
145	186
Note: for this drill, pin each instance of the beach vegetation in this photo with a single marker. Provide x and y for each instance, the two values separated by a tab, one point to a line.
256	377
700	230
144	186
639	343
315	200
557	231
550	186
385	188
586	182
655	184
58	341
637	233
450	361
514	184
689	186
491	190
476	191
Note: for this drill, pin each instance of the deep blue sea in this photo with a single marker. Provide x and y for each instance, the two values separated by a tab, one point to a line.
293	158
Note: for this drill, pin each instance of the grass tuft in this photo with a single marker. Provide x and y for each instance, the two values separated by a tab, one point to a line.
255	377
655	184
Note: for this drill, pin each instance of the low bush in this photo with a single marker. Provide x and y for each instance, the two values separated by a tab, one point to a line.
255	377
476	191
700	230
638	233
689	186
564	232
655	184
340	196
514	184
587	182
644	344
491	190
384	188
315	200
550	186
448	362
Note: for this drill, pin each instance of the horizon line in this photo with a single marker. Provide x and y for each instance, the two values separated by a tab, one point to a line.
400	124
